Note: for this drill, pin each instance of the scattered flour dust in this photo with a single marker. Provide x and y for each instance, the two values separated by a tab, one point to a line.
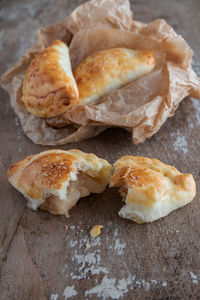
116	232
119	247
164	283
194	277
143	283
180	143
108	288
69	292
73	243
87	262
72	227
54	297
154	281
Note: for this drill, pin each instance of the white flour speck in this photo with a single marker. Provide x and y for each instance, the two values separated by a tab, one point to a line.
116	232
124	283
119	247
143	283
191	125
72	227
194	278
82	259
107	289
69	292
54	297
164	284
180	143
89	263
64	269
73	243
95	242
83	241
146	285
138	283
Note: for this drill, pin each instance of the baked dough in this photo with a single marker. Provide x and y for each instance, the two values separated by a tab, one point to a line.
49	88
95	231
110	69
150	188
54	180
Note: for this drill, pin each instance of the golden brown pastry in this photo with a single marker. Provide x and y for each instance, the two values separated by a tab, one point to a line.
96	231
110	69
150	188
54	180
49	88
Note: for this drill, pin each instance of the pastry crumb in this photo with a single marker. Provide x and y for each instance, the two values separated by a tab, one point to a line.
96	230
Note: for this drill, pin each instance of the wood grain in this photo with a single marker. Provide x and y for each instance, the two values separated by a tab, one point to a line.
40	258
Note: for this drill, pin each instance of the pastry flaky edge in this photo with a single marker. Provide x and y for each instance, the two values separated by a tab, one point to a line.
150	188
54	180
106	70
49	88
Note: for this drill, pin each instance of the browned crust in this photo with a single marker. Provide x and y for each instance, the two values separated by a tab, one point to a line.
14	168
48	171
136	177
47	90
142	172
92	73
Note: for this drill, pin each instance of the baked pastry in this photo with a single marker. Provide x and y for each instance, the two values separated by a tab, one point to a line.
150	188
54	180
95	231
49	88
110	69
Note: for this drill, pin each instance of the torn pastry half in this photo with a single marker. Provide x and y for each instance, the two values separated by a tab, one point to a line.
150	188
49	88
106	70
55	180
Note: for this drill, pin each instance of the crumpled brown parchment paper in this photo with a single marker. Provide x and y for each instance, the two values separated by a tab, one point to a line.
140	107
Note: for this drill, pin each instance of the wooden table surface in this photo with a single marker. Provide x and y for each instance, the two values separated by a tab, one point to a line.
40	258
